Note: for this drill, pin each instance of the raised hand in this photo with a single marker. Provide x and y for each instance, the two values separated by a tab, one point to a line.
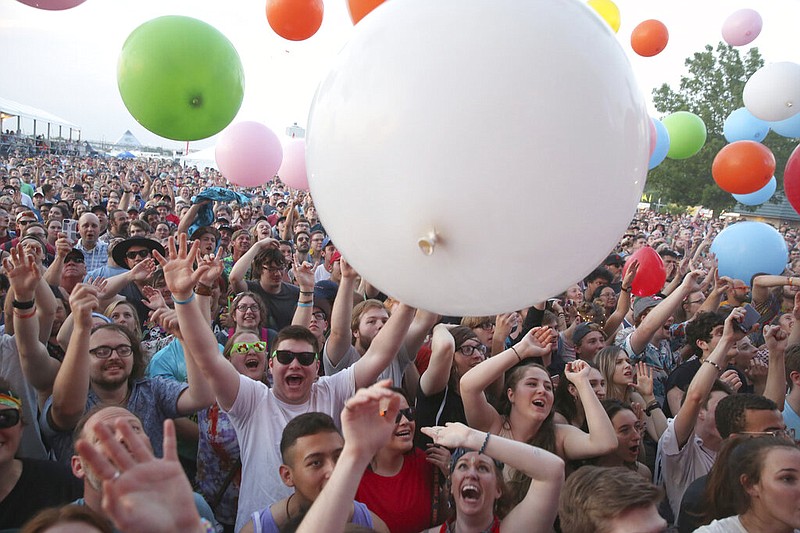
304	275
440	457
368	419
347	270
452	435
153	298
168	320
441	338
756	370
630	274
535	343
644	379
23	273
215	268
577	371
776	339
143	270
731	378
179	272
84	301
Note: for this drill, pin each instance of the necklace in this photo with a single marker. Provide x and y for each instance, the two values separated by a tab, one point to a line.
288	516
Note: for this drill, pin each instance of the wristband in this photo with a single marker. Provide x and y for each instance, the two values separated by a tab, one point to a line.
202	290
625	289
652	407
715	365
485	442
22	305
25	315
305	304
306	292
517	353
789	281
183	302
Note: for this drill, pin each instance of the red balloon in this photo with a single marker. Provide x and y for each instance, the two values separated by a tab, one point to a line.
743	167
649	38
295	20
791	179
651	275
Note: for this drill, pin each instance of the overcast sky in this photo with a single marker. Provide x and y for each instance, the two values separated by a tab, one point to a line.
65	62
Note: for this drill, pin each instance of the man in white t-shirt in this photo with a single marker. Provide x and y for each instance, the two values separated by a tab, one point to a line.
688	447
257	412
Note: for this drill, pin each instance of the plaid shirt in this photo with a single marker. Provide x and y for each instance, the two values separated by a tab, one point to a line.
96	257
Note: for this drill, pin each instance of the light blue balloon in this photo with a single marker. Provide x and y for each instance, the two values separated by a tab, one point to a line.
787	128
662	144
747	248
741	125
760	196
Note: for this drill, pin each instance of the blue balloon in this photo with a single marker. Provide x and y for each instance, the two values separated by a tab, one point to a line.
747	248
787	128
760	196
741	125
662	144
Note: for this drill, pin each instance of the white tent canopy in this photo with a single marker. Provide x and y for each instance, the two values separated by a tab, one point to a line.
202	160
10	108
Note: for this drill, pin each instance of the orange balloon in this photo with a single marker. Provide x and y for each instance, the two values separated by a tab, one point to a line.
743	167
649	38
295	20
361	8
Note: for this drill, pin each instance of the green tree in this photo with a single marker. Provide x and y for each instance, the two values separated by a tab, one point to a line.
712	89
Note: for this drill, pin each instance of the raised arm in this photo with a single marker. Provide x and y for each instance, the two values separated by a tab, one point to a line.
775	388
384	347
240	267
537	510
656	420
304	275
480	414
703	380
340	337
419	329
623	302
201	344
762	285
72	382
656	318
190	216
721	286
37	366
436	376
53	274
367	425
602	438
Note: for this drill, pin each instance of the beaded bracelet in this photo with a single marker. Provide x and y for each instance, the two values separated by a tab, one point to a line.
715	365
485	442
183	302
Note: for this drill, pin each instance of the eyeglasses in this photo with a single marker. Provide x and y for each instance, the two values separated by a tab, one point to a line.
409	412
319	316
275	270
785	433
9	418
25	222
301	239
469	349
486	325
285	357
104	352
243	308
139	253
78	260
244	347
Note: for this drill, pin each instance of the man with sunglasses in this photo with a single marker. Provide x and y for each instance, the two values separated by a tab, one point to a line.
259	413
26	485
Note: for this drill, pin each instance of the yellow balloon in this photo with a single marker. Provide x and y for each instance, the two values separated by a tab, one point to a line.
608	10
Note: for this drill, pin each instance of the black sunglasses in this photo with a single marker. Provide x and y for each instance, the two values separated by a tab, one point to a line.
285	357
409	412
144	254
74	259
9	418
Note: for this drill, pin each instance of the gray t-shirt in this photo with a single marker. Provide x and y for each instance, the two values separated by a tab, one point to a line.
395	370
153	400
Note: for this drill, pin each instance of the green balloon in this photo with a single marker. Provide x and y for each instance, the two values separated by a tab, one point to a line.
180	78
687	134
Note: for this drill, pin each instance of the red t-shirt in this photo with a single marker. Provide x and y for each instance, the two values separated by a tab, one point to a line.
402	501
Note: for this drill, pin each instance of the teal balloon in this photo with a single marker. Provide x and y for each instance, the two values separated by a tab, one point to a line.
741	125
687	134
180	78
760	196
787	128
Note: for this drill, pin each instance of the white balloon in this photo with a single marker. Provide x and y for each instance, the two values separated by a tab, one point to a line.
773	92
472	157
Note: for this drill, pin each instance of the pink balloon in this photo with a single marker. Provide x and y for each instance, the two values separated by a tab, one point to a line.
293	169
248	154
741	27
52	5
653	137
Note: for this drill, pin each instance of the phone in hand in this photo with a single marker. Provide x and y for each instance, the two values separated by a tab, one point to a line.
69	226
751	318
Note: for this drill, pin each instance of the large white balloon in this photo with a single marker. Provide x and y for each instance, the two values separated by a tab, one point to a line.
773	92
472	157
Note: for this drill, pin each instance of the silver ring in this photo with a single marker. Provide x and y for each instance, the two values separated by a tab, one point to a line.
116	476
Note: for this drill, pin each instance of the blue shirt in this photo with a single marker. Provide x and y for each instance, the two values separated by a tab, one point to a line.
790	418
96	257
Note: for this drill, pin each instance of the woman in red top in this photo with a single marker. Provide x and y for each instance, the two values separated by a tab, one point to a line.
398	485
477	487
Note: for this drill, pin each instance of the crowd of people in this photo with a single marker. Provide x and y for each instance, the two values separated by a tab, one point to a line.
182	355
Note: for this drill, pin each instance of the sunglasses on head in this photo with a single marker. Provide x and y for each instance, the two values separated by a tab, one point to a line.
285	357
244	347
144	254
9	418
409	412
